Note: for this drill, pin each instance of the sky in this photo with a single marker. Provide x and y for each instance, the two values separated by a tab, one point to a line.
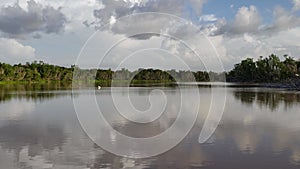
167	34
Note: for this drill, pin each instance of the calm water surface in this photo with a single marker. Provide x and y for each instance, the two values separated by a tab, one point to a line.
260	129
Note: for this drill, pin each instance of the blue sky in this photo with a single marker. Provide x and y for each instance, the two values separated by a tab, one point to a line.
237	29
229	8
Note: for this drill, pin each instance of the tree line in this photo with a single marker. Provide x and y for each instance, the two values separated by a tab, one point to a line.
264	70
40	71
35	71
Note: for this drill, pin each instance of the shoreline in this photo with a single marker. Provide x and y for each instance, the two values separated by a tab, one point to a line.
291	85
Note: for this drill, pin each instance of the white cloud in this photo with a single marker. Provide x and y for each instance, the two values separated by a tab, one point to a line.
242	47
253	46
208	18
197	5
121	8
12	51
247	19
244	35
296	4
284	20
248	38
5	3
18	22
75	11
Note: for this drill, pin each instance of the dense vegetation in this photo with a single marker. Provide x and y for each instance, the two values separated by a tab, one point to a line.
36	71
265	70
40	71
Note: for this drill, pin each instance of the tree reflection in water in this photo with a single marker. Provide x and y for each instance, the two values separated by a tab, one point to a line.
259	128
269	98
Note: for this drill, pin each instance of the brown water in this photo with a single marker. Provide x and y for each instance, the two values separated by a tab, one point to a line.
260	128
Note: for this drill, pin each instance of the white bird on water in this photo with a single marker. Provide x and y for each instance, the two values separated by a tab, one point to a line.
99	87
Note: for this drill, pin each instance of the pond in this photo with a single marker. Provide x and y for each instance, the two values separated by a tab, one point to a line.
39	128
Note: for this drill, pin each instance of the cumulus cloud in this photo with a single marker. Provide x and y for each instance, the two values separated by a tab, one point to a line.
12	51
119	8
144	26
284	20
113	9
246	34
296	4
255	45
18	22
139	24
246	20
208	18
